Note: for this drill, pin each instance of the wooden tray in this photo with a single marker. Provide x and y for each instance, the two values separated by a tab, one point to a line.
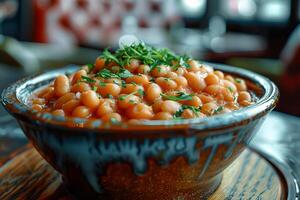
28	176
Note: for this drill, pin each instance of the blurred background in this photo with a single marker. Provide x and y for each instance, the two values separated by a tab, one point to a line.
260	35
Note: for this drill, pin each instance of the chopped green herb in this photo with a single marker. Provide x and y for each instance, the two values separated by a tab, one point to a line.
141	92
95	88
153	67
125	73
122	98
235	98
183	107
90	66
123	84
177	118
238	80
158	68
115	69
114	120
102	84
192	108
105	73
132	101
178	113
180	96
110	96
182	61
145	54
230	89
87	79
116	82
109	57
219	109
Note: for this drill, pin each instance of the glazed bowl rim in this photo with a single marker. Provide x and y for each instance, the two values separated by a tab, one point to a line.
10	98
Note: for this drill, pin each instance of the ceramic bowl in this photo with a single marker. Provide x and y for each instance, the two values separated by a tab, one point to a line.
152	160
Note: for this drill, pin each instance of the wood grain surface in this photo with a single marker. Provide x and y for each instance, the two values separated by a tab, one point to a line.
27	176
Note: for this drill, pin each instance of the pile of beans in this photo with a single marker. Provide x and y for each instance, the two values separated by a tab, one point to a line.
145	93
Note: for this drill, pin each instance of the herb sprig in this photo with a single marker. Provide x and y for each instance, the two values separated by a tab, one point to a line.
105	73
218	110
87	79
146	54
180	96
90	67
109	57
195	110
237	80
139	91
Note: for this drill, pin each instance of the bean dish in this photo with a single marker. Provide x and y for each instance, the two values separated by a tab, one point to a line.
140	82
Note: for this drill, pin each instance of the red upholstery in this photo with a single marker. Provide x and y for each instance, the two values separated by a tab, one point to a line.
290	80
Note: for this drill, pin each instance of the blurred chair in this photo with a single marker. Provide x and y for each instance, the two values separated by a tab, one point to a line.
290	80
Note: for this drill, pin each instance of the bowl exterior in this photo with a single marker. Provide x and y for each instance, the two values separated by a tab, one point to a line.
187	166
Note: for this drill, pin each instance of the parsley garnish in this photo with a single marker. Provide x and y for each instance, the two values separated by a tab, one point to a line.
132	101
178	113
90	66
105	73
219	109
87	79
102	84
238	80
122	98
146	54
155	66
230	89
123	84
177	118
235	98
139	91
183	107
95	88
182	61
180	96
109	57
114	120
125	73
116	82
